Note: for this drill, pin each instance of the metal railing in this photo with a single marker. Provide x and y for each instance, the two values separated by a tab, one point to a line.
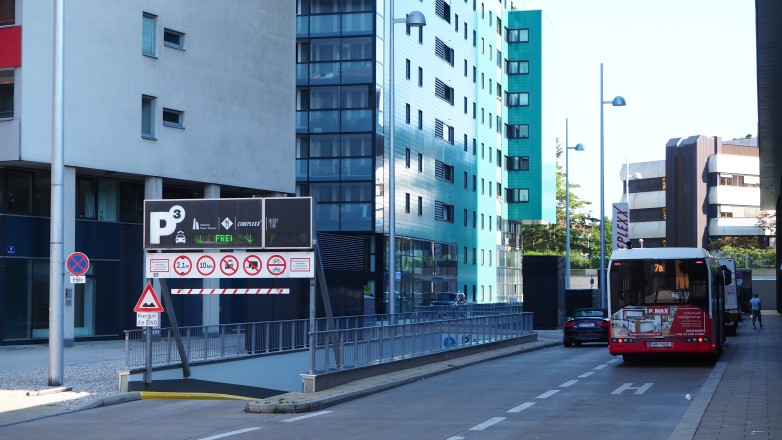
361	347
363	339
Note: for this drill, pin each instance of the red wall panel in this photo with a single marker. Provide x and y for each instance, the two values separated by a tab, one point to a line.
10	47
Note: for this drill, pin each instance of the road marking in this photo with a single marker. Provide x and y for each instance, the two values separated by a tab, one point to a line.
587	374
455	438
613	360
227	434
600	367
629	386
486	424
547	394
568	383
521	407
315	414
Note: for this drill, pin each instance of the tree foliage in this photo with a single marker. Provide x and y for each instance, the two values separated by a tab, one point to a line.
584	230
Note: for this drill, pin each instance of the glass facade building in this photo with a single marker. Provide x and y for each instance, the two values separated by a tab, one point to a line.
458	217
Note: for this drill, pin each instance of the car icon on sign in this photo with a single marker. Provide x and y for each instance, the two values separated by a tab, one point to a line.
180	238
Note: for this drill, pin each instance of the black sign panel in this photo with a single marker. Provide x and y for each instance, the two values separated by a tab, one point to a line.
228	223
288	223
203	224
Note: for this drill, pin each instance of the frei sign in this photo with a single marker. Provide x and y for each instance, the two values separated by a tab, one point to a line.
621	226
254	223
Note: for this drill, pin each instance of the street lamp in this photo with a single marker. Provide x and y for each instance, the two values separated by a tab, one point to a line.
578	147
616	102
413	19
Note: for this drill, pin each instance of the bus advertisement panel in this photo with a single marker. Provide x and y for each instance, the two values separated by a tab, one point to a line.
665	300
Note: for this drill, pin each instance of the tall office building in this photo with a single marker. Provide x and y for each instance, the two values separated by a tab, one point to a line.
472	153
162	100
706	189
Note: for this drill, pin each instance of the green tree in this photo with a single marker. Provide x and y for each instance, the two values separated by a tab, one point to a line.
549	239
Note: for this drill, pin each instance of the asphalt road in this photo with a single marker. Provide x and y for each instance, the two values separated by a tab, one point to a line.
553	393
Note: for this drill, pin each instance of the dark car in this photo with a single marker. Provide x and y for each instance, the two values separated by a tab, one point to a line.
586	325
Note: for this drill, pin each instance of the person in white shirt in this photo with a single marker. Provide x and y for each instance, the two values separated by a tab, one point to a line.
754	304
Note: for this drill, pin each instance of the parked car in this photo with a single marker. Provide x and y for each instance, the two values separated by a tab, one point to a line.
452	299
586	325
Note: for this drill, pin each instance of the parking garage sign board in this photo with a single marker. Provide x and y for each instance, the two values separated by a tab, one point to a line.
195	224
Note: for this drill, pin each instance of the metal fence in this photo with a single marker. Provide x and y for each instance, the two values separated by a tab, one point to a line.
361	340
360	347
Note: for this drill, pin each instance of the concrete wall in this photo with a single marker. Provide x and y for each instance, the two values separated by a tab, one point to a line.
234	80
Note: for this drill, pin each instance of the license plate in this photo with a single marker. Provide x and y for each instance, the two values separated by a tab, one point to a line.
587	324
666	344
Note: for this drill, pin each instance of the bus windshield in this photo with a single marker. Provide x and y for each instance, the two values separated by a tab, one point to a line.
663	282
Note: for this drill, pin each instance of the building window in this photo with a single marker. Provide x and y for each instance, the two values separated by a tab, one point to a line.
173	118
517	131
517	195
443	212
517	163
443	10
420	163
6	94
420	77
407	114
420	206
444	92
407	158
173	39
407	69
518	35
443	171
7	12
148	117
465	224
443	131
149	23
407	203
517	67
517	99
444	51
420	120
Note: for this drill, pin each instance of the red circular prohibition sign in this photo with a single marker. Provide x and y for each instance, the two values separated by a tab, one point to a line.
276	265
229	265
207	270
187	265
252	265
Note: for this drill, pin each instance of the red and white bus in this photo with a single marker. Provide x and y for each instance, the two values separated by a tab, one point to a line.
665	300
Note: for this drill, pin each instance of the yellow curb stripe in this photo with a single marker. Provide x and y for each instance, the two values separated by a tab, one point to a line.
191	396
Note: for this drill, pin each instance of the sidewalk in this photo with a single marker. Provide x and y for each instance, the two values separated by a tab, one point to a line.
748	400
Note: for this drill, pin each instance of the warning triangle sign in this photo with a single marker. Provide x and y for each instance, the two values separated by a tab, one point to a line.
148	301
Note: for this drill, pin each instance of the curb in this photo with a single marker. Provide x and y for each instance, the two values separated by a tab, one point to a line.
97	403
189	396
301	402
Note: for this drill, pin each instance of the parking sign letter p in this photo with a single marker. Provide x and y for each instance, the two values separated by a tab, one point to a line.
164	223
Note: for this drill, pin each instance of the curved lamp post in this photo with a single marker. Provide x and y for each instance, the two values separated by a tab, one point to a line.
616	102
578	147
413	19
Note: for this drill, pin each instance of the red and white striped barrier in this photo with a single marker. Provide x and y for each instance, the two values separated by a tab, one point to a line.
230	291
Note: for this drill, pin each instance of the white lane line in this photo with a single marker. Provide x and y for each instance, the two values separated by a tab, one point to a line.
568	383
547	394
600	367
455	438
228	434
486	424
587	374
521	407
315	414
613	360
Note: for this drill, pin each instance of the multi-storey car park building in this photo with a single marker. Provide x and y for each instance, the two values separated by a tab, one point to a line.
161	101
705	189
474	157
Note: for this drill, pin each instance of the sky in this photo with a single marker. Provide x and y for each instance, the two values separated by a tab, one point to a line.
685	67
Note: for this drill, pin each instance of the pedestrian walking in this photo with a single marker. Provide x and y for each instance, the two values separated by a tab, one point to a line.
754	304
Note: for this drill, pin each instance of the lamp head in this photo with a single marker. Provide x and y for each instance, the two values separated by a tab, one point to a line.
579	147
618	102
415	19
